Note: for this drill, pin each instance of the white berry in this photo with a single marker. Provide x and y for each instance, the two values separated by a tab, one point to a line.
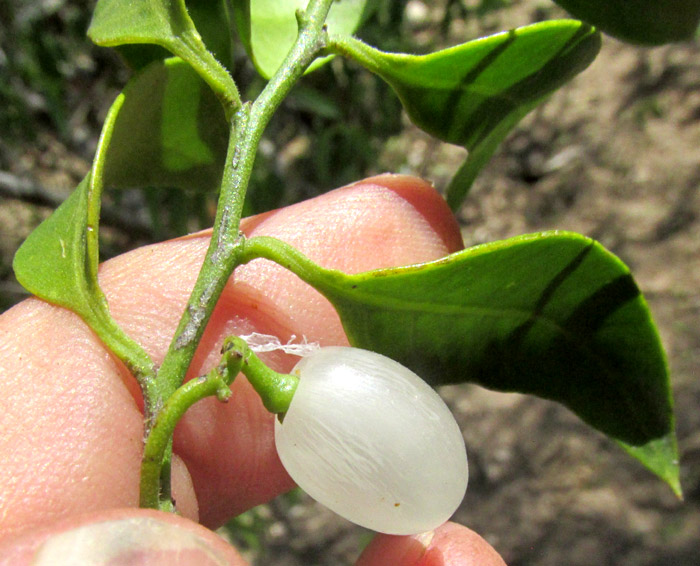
369	439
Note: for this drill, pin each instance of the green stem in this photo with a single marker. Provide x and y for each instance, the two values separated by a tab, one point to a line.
275	389
192	50
221	259
226	245
353	48
293	260
158	447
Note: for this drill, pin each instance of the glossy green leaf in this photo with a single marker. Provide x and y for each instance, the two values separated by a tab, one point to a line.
165	23
170	132
551	314
648	22
473	94
555	315
268	28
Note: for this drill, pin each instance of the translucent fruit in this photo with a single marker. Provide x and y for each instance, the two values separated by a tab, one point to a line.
370	440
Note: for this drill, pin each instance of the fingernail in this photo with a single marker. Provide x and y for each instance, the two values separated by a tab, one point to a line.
392	549
414	548
425	538
136	541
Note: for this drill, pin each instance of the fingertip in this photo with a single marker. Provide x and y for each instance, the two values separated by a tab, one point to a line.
427	201
459	546
450	543
419	194
396	550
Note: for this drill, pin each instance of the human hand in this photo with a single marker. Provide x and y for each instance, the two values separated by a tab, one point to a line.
70	414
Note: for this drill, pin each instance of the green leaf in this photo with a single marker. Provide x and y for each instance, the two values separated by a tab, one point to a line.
648	22
58	262
551	314
211	20
170	132
120	22
268	28
52	263
165	23
473	94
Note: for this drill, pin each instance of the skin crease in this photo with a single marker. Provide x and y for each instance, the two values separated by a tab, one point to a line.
71	415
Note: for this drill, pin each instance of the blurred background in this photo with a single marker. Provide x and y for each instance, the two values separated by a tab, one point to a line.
614	155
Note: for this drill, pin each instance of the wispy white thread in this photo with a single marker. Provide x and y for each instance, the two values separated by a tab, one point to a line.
268	343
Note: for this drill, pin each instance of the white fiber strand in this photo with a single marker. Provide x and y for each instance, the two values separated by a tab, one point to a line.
259	342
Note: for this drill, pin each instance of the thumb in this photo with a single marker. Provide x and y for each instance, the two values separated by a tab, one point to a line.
121	536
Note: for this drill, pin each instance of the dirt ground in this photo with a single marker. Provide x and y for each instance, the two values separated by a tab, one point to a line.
615	156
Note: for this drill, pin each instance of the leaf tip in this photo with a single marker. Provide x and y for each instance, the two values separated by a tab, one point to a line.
673	480
660	456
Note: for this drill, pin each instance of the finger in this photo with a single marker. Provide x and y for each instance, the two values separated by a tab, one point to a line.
448	545
74	429
121	536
